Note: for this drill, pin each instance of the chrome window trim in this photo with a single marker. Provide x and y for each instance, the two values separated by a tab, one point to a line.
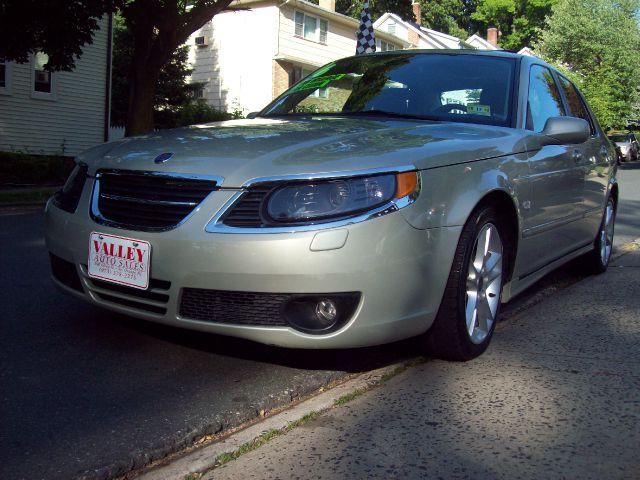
97	216
216	225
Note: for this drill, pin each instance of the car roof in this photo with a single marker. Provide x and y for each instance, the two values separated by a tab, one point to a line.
482	53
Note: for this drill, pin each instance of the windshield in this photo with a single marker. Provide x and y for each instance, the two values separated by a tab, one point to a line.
451	87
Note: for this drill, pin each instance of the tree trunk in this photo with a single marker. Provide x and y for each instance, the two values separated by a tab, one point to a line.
155	38
141	99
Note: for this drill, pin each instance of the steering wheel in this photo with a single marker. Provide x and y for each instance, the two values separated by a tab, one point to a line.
448	107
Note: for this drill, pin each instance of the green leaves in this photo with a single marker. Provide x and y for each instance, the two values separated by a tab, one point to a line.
596	43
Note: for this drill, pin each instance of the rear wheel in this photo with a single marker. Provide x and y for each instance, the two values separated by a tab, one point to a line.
469	309
597	260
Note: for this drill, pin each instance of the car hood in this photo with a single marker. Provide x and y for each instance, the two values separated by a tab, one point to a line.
244	150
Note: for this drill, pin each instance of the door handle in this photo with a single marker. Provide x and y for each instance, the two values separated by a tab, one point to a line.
577	156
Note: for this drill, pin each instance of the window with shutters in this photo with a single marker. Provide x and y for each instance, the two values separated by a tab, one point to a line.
311	28
382	46
43	82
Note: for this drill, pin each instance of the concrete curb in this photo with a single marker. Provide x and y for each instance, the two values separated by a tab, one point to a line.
204	458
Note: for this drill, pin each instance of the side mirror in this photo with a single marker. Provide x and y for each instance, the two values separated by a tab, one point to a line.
252	114
565	130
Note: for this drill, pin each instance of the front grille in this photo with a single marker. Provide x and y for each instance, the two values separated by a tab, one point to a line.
246	212
238	308
153	300
147	201
65	272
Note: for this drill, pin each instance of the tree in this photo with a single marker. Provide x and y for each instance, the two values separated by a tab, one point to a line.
449	16
61	28
377	8
520	21
595	42
58	28
172	93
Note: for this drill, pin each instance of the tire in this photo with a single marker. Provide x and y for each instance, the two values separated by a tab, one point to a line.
597	260
470	305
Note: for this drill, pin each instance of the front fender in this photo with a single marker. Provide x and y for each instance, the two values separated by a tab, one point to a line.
449	194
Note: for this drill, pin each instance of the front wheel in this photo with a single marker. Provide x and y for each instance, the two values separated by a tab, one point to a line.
469	309
597	260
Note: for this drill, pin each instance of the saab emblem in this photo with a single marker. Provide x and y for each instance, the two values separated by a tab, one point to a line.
163	157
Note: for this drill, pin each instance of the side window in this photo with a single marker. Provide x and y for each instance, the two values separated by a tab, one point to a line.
576	105
42	79
3	73
544	99
5	77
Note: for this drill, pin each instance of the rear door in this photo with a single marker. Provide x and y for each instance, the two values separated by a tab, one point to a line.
557	180
594	161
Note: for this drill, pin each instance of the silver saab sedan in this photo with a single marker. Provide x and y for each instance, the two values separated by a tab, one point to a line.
383	197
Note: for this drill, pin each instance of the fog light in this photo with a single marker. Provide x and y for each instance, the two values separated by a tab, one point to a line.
321	314
326	311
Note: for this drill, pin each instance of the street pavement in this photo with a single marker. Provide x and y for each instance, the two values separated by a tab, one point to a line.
557	395
85	393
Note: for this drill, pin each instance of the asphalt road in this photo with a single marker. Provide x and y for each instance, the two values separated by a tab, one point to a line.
88	393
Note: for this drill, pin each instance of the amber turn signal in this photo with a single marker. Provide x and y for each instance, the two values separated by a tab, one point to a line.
406	183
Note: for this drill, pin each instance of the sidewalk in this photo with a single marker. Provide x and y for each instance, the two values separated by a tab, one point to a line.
557	395
11	196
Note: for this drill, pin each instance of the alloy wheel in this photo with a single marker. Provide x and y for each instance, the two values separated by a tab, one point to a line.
484	283
606	233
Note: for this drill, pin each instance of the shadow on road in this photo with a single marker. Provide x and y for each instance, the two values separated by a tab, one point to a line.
352	361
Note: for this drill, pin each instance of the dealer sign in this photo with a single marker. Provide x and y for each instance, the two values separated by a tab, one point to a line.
119	260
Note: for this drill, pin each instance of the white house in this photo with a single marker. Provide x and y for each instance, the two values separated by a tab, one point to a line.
59	113
249	56
476	41
416	35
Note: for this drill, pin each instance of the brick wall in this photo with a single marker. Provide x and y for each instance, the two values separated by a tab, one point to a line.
281	72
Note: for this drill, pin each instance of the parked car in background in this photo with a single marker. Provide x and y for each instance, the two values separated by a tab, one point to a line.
384	196
626	145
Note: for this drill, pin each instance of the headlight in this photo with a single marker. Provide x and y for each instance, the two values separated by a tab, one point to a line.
320	200
624	149
67	199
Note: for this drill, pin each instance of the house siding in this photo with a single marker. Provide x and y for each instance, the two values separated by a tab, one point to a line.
251	54
237	62
341	40
69	122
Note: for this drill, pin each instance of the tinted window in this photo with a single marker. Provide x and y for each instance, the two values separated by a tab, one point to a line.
619	138
464	88
577	108
544	99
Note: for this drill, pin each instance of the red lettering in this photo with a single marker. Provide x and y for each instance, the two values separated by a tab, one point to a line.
105	249
111	245
130	255
140	254
96	246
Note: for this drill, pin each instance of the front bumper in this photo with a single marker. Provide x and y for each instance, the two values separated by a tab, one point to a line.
400	272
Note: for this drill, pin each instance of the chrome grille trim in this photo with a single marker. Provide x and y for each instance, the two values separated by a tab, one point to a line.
159	205
122	198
